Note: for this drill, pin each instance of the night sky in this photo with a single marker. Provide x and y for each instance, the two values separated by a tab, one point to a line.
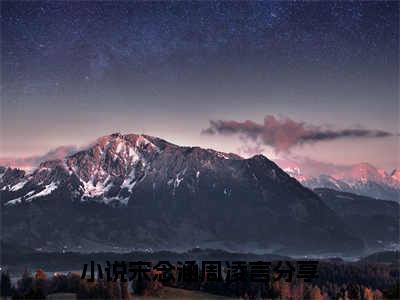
74	71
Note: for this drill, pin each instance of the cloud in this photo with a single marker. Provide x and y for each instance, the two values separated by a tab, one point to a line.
282	134
250	149
31	162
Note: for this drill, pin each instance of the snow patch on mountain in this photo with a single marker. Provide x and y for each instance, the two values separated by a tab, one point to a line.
112	167
179	178
18	186
14	201
91	189
129	183
46	191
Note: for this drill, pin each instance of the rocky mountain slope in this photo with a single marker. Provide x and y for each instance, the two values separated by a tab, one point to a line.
137	191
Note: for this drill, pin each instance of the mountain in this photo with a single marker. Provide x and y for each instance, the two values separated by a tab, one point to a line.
362	179
375	221
395	175
138	191
385	257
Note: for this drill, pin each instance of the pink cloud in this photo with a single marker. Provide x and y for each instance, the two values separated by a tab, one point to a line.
30	162
282	134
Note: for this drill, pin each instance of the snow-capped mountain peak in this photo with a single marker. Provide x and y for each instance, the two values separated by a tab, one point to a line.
362	178
295	172
162	194
395	175
109	169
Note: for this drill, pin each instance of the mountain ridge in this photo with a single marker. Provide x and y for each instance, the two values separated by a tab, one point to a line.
362	179
135	190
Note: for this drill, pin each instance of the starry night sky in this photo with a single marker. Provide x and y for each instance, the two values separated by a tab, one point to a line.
73	71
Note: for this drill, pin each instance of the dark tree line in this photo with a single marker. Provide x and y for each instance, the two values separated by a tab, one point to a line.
336	281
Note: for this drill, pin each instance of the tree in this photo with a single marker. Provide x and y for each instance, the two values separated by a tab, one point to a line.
354	291
393	292
284	290
83	290
40	275
41	288
6	289
367	294
139	286
25	284
316	294
124	291
114	290
73	282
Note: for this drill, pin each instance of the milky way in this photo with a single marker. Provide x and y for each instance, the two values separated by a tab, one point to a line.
85	69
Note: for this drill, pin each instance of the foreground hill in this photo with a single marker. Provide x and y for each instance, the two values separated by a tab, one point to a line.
375	221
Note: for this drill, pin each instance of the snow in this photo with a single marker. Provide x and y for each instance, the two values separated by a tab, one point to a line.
128	183
15	187
133	154
98	190
197	174
18	186
44	169
100	150
227	191
30	193
334	182
93	190
120	146
344	197
142	141
127	152
178	179
47	190
295	172
396	175
14	201
222	155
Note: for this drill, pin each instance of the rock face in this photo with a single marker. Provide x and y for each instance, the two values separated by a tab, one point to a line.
137	191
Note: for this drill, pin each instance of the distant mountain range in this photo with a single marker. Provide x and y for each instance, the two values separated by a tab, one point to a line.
128	192
362	179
